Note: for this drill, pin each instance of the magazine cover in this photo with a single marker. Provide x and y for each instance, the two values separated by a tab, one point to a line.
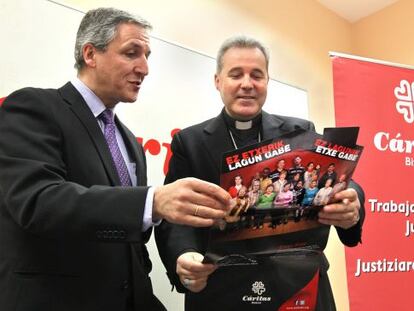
278	187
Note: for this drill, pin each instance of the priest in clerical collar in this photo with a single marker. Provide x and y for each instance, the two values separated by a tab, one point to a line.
242	76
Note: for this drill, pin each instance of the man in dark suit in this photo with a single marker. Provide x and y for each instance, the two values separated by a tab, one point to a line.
75	211
241	78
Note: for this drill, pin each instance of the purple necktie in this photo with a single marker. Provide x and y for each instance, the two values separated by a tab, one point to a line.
107	118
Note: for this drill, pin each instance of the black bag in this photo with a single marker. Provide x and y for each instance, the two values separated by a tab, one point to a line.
287	280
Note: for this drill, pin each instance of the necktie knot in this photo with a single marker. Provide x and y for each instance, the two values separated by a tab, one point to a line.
107	117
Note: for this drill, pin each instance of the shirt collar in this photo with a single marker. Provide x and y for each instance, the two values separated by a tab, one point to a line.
94	103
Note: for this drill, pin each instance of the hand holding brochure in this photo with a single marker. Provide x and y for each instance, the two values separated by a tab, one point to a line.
278	187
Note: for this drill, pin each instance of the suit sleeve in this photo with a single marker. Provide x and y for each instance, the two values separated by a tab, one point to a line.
34	185
173	240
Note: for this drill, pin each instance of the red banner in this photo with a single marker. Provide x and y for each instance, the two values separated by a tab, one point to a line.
379	98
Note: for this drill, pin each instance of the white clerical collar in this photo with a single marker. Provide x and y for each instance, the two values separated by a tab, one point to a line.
243	125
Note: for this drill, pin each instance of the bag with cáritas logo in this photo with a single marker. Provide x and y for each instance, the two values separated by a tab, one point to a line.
293	279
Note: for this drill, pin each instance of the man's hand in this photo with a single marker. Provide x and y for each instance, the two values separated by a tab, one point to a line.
190	201
192	272
344	212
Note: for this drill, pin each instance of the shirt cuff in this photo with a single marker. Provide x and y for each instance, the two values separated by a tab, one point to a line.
147	220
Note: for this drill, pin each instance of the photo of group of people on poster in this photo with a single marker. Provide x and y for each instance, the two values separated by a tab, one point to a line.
277	189
297	187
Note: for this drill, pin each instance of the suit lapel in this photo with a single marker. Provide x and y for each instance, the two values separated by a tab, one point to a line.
217	140
272	126
275	126
84	114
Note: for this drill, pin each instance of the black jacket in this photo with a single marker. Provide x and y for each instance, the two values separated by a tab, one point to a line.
70	237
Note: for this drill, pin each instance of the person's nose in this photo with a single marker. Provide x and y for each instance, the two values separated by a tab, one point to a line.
246	82
141	66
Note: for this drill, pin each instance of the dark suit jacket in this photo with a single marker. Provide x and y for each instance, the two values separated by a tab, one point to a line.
197	152
70	238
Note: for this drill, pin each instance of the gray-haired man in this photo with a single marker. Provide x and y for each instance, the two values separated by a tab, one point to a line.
241	78
75	211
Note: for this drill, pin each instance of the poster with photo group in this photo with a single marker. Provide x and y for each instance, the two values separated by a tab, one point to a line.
278	187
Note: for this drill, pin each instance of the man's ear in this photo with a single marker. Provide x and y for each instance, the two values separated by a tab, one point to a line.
216	81
89	55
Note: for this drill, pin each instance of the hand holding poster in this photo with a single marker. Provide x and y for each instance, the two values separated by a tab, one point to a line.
276	199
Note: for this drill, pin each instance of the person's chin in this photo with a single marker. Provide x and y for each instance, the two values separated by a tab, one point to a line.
246	113
130	98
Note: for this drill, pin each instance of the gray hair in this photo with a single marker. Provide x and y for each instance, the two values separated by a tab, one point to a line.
243	42
99	27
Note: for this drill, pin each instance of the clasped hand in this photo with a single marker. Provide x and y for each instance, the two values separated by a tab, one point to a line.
193	273
344	212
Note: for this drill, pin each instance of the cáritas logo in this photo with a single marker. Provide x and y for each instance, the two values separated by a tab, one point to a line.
405	100
258	288
397	143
